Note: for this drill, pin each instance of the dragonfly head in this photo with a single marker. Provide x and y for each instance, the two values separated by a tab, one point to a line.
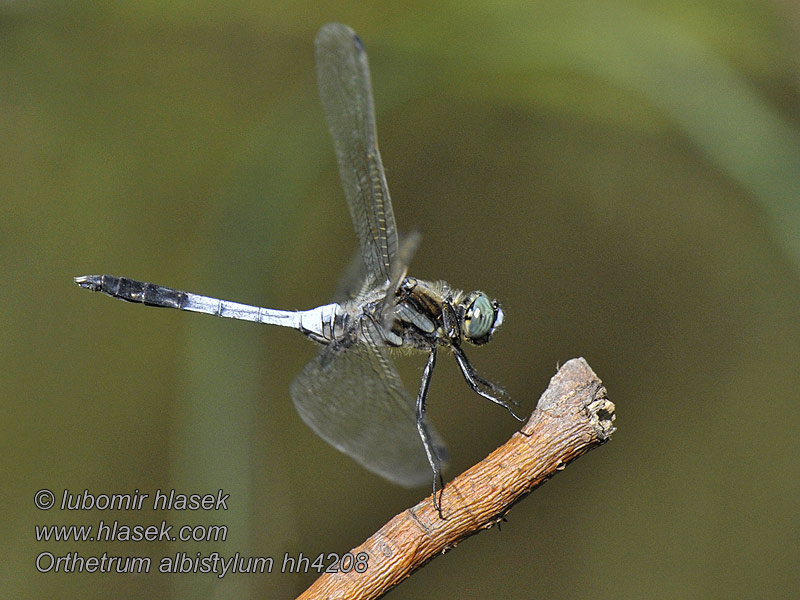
480	318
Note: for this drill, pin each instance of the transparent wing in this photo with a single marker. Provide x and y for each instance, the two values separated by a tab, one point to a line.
353	399
408	247
352	281
354	277
346	93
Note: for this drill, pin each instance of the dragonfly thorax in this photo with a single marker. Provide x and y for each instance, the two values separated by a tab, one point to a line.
430	313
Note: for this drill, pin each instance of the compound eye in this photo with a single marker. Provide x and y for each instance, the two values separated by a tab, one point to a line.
479	318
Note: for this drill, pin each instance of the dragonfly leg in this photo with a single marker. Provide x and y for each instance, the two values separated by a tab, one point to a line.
478	383
492	386
450	320
424	434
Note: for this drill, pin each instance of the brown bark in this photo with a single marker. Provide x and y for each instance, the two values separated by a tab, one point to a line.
572	417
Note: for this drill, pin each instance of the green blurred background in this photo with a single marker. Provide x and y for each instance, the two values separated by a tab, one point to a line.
624	177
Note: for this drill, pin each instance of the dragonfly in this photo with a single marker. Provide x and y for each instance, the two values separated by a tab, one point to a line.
350	394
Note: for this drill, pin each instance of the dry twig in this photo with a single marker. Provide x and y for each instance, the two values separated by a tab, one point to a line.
572	417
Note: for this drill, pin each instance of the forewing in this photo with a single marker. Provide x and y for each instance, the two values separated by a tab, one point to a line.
354	278
353	399
346	92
